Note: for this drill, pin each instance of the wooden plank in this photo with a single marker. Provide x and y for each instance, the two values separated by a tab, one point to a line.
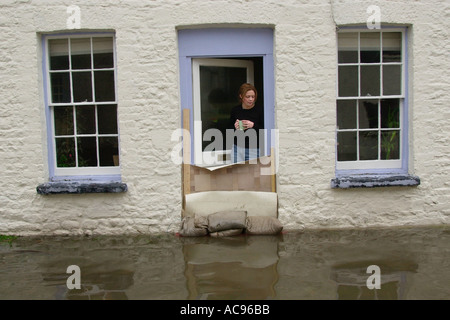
186	153
273	169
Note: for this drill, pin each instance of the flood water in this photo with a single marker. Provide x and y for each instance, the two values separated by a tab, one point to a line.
414	263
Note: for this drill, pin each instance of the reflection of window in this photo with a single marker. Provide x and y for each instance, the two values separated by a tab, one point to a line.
83	104
351	280
352	286
371	101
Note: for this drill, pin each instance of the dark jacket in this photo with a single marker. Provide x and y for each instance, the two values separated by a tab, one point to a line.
256	115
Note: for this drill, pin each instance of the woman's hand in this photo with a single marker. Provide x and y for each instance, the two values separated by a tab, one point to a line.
247	124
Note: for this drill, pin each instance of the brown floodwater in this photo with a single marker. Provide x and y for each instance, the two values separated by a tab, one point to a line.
413	262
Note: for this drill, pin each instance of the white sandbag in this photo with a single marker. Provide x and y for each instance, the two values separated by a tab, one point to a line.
227	233
226	220
200	221
256	203
188	228
263	225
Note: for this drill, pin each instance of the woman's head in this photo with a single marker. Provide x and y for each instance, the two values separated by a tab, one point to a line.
247	94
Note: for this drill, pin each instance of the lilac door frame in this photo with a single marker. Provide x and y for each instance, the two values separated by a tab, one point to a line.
222	43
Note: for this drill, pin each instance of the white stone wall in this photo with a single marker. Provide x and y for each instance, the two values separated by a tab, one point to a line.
149	110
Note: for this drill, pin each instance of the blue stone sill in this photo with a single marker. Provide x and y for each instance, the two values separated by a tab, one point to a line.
373	181
77	187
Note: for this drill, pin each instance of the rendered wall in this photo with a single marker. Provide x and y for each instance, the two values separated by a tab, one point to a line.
149	111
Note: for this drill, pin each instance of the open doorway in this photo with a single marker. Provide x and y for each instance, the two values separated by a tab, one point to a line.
215	92
213	64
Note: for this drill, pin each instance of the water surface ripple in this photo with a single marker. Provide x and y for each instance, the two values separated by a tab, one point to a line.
414	263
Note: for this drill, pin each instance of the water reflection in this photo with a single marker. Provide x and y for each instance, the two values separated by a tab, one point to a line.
231	268
96	284
351	280
414	264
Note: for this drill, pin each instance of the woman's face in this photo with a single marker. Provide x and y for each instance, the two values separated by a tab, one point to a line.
248	100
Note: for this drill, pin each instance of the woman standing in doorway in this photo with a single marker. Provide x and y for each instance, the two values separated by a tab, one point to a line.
247	120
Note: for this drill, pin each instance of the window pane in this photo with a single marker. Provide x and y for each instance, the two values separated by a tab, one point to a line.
87	152
218	87
104	86
63	117
368	145
370	80
85	119
390	113
392	47
346	114
107	119
109	151
390	145
369	128
60	84
392	80
368	114
348	47
103	52
65	152
82	86
370	47
348	81
81	53
346	146
59	54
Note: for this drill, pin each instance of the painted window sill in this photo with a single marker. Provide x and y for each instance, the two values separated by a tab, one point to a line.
72	187
373	181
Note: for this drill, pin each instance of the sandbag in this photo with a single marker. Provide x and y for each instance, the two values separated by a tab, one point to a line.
200	221
188	228
226	233
263	225
226	220
256	203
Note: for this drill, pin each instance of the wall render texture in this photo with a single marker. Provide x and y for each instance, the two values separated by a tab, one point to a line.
149	111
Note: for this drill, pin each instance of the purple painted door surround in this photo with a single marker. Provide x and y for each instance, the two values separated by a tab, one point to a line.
223	43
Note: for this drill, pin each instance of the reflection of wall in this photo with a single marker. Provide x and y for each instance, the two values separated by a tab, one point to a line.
119	267
231	268
295	265
413	263
102	275
100	286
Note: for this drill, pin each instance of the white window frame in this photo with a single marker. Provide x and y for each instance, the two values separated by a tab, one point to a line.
211	158
367	165
78	171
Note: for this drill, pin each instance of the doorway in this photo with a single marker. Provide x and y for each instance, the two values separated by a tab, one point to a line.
213	63
216	82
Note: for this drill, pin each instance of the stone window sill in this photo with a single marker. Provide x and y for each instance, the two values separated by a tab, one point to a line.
372	181
66	187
